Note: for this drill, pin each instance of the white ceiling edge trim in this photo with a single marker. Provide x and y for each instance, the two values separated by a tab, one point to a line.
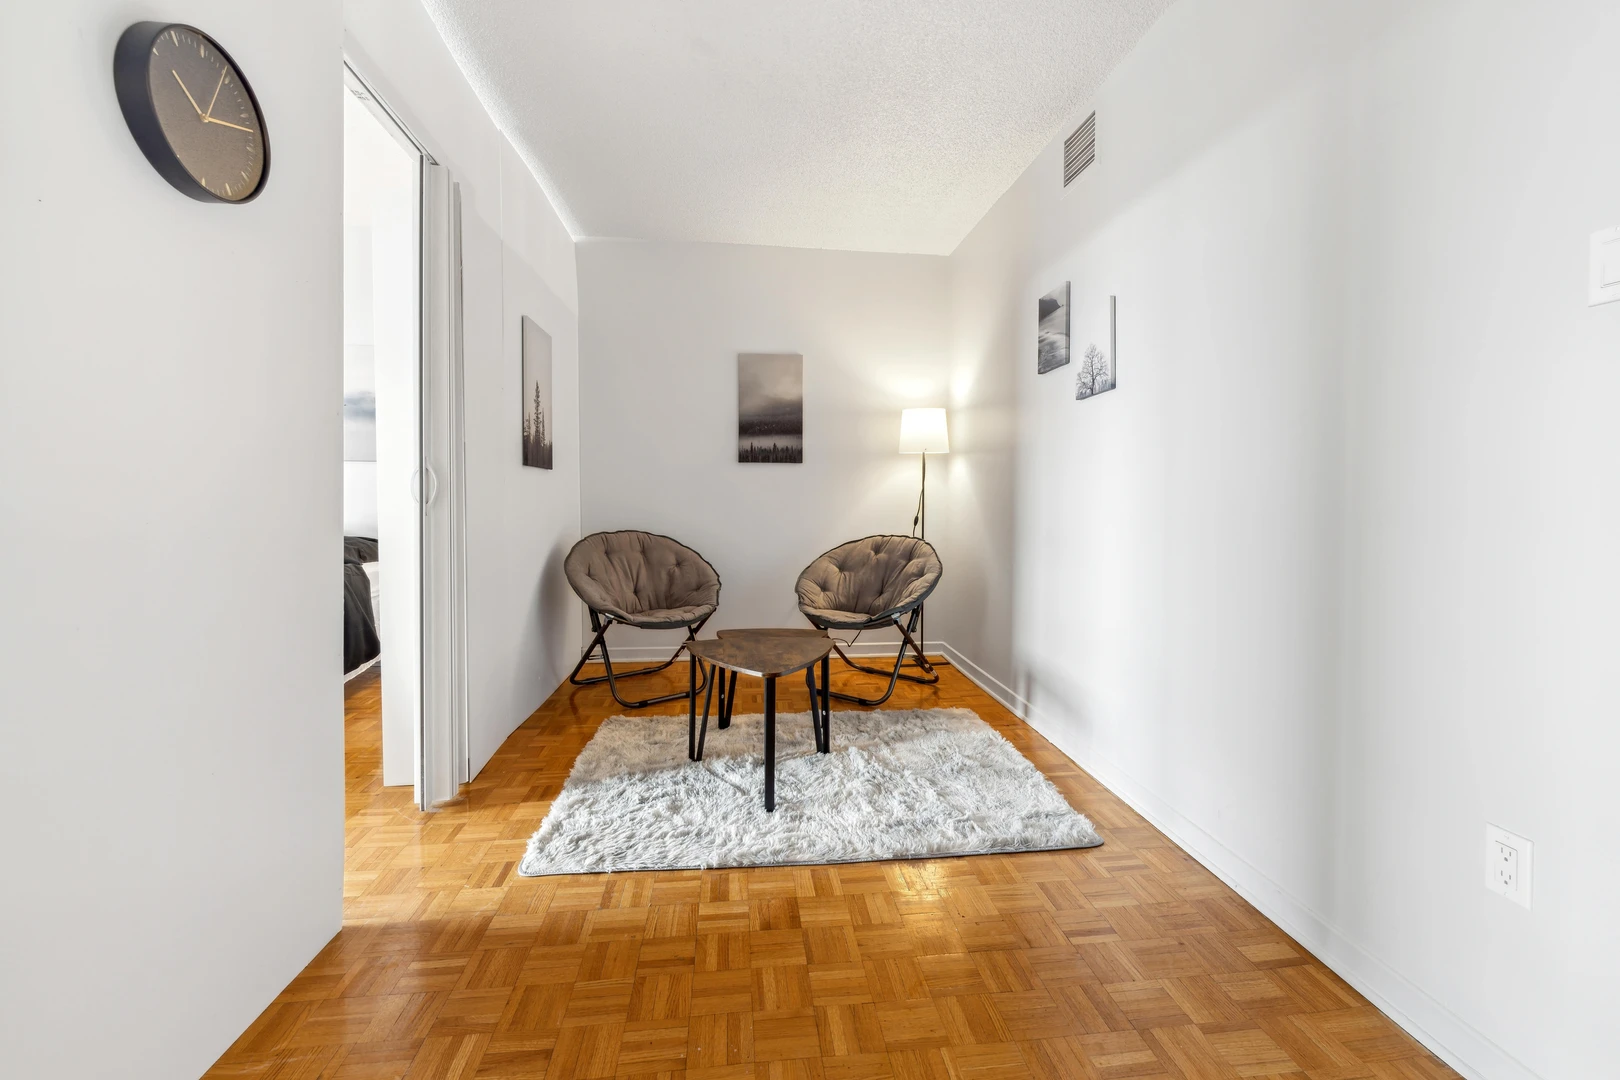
371	74
542	178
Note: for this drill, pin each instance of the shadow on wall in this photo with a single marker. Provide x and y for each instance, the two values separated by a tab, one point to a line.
1177	678
981	492
1065	702
553	600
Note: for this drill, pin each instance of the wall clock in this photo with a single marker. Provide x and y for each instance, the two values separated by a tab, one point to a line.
192	113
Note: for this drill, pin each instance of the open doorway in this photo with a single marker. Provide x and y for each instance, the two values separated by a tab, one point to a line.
381	419
402	461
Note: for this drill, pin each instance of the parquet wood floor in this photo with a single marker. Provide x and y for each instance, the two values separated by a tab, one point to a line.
1126	961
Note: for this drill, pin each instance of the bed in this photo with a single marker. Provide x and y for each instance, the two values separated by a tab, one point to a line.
361	644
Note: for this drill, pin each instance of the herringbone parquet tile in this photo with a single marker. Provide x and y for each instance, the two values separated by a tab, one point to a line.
1127	961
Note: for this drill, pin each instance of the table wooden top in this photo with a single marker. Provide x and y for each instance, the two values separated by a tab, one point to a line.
767	653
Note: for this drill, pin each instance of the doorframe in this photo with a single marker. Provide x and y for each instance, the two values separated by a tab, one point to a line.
365	90
442	753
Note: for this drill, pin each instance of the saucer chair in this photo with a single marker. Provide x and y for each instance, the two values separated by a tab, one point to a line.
869	584
644	580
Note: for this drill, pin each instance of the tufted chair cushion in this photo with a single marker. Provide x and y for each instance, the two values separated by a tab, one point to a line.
643	579
868	581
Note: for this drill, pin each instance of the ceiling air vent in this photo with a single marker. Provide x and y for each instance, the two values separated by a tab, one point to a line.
1079	149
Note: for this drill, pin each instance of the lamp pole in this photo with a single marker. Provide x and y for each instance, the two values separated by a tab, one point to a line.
922	431
921	525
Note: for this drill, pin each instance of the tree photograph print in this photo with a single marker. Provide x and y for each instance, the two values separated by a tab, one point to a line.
537	431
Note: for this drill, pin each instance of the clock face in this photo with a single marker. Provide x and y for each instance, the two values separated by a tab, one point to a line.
206	113
191	112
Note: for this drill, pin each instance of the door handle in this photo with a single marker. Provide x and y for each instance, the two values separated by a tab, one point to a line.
416	485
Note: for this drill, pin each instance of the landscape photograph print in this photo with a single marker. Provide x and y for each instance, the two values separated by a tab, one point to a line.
770	408
359	404
537	430
1052	338
1096	374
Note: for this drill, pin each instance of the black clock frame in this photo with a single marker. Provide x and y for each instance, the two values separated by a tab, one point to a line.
131	74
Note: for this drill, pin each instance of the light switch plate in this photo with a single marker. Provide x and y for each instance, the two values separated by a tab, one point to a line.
1605	276
1509	859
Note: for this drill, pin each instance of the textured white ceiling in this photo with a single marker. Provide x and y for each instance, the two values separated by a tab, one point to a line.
857	124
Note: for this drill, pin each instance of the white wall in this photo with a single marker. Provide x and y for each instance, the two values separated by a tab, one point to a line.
171	658
170	649
661	325
523	622
1328	582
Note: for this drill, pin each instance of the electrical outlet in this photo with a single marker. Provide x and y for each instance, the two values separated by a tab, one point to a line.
1604	283
1507	868
1507	864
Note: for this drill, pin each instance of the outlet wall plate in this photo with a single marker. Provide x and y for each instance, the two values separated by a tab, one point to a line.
1604	283
1508	861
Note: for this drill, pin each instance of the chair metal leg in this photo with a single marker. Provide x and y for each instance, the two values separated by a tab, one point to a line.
917	651
612	677
907	642
920	659
584	657
600	642
694	750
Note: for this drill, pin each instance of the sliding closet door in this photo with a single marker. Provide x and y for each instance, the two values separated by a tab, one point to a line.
397	320
442	761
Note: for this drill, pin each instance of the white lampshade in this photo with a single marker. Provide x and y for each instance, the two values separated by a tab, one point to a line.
922	431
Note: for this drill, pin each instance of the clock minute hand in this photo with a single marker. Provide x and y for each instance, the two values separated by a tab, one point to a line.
226	123
189	98
210	113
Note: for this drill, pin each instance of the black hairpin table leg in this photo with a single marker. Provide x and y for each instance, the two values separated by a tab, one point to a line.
730	699
770	743
826	704
815	704
712	677
695	734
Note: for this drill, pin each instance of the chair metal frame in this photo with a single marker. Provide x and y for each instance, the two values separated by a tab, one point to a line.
601	623
907	641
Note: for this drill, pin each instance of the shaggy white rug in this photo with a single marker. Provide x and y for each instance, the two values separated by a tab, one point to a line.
897	785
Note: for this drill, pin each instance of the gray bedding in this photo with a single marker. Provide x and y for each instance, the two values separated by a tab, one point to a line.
360	640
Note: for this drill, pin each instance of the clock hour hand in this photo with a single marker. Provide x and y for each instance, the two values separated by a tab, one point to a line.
189	98
226	123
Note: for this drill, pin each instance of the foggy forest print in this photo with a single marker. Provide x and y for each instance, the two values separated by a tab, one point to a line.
359	403
770	407
537	433
1052	350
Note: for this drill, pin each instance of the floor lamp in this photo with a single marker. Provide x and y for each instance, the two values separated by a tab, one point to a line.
922	431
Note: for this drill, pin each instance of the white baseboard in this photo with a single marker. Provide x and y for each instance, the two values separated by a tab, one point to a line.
1451	1038
986	681
363	668
640	654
